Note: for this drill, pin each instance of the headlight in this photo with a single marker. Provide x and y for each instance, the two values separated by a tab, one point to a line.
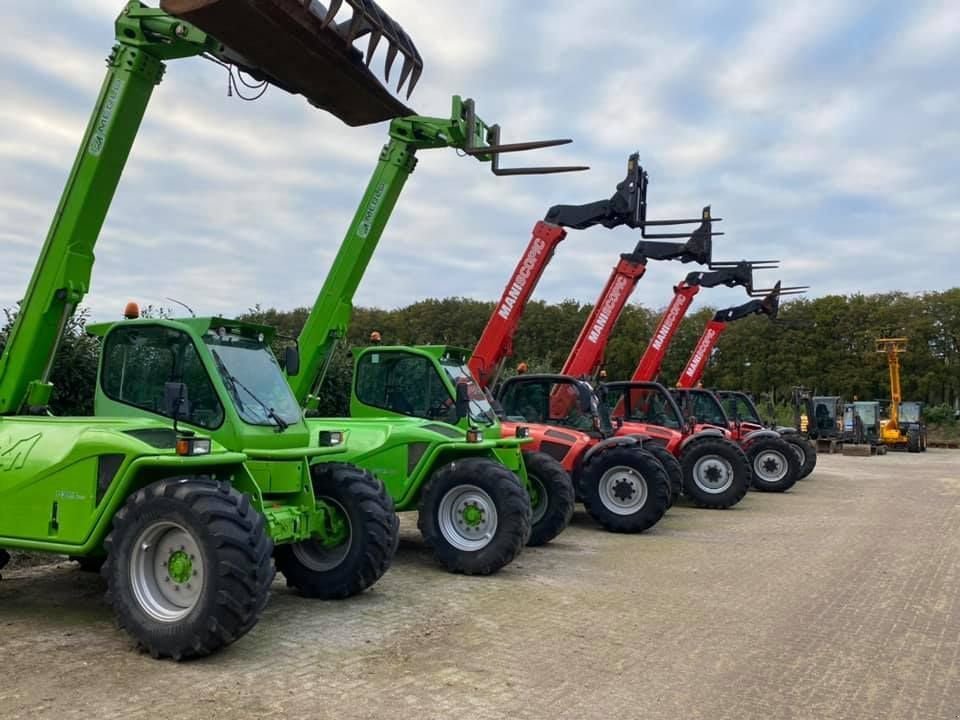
193	446
474	436
328	438
522	431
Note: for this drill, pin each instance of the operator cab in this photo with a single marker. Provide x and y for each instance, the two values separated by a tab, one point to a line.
209	373
647	403
557	400
421	382
702	405
740	407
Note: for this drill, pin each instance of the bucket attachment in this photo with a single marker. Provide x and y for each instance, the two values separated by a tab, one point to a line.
298	46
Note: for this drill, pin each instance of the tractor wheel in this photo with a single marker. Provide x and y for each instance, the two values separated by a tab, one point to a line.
913	441
806	452
774	463
475	515
625	489
364	530
672	466
551	497
188	566
716	473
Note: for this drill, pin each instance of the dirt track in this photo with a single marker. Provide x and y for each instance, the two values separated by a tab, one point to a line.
836	600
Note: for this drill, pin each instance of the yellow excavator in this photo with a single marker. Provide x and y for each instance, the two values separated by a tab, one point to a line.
904	427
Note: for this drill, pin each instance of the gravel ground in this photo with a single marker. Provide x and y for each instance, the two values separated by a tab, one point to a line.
835	600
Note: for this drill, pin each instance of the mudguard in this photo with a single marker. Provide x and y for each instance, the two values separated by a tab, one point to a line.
757	434
707	432
627	440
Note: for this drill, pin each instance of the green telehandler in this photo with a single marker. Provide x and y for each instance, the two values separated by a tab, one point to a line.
198	468
418	419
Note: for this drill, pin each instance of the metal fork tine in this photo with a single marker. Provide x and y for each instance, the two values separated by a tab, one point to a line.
405	71
332	11
414	78
388	64
375	36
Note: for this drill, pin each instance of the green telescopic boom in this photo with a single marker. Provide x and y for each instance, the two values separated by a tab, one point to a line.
145	37
329	319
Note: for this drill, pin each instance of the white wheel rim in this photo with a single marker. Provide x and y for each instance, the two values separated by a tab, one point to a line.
623	490
713	474
770	466
166	571
467	517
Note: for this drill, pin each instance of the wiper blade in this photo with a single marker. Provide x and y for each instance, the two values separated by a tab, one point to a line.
269	411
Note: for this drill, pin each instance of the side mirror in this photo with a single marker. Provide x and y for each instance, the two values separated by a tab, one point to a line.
291	360
463	401
618	421
176	401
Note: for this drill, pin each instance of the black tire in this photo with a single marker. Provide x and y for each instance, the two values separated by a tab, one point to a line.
474	485
625	489
357	563
923	440
806	452
714	454
554	492
913	441
774	464
231	547
672	466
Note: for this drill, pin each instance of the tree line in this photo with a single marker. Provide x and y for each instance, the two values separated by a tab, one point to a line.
825	344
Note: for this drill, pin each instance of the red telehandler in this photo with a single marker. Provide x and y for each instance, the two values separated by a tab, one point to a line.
622	484
775	464
739	407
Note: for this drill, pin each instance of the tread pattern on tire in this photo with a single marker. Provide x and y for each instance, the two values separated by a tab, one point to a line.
738	459
809	453
558	486
371	508
672	466
513	512
240	577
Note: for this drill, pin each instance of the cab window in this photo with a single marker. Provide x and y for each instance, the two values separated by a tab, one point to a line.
404	383
139	360
545	403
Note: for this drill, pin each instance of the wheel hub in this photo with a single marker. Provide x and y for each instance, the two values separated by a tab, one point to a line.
770	466
166	571
713	474
324	553
623	490
180	566
467	517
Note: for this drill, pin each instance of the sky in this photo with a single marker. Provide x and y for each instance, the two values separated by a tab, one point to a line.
825	134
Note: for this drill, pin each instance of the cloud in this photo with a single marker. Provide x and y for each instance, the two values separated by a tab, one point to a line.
824	133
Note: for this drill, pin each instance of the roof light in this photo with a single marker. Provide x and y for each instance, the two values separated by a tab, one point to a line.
131	311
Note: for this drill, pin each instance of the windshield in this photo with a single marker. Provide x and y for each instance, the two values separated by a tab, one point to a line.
546	402
867	412
642	404
909	412
254	379
738	406
704	406
480	409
